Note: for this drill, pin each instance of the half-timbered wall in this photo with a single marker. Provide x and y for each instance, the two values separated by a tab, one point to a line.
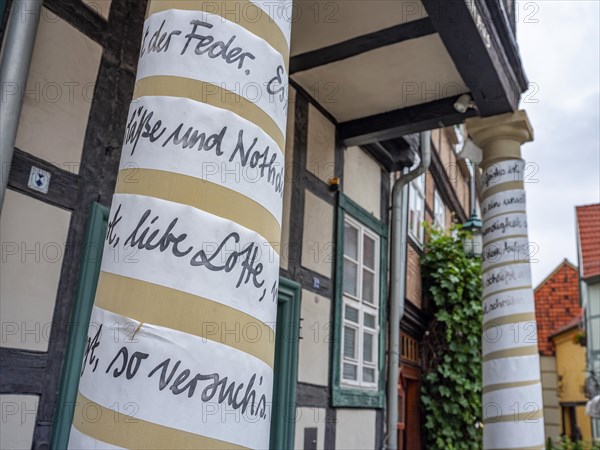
74	112
87	52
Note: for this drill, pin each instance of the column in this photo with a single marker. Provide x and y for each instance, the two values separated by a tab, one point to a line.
180	348
512	391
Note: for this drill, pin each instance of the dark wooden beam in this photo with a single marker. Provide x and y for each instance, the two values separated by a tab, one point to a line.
64	185
22	371
97	175
311	396
393	155
313	101
361	44
393	124
77	14
469	34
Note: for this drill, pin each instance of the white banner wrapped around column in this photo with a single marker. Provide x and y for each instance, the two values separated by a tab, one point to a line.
180	350
512	403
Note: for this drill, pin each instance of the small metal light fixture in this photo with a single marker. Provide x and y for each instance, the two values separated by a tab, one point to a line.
473	242
464	103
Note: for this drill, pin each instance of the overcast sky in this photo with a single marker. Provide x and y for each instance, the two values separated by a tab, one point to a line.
559	43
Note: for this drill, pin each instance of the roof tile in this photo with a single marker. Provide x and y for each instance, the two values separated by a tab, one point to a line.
588	227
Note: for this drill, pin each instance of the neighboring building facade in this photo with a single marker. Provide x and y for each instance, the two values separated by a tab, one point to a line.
570	368
588	247
556	305
342	155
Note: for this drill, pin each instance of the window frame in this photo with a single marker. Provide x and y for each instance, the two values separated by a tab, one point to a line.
344	394
417	190
438	202
362	307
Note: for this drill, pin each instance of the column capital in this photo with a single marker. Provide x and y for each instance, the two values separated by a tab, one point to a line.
500	137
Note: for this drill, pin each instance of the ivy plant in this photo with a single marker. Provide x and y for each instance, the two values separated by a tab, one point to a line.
451	385
566	443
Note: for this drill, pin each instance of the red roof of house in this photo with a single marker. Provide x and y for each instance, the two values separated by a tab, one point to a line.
556	304
588	228
573	323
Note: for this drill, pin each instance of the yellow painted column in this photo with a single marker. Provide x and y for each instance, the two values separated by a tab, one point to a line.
180	347
512	391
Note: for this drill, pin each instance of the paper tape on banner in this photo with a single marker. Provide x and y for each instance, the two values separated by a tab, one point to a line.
121	430
513	400
162	376
498	279
252	70
503	202
508	303
511	335
502	172
511	435
205	195
166	307
509	370
211	94
205	142
187	249
262	25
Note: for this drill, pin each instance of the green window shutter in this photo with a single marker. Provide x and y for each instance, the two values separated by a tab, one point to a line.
283	417
78	324
343	396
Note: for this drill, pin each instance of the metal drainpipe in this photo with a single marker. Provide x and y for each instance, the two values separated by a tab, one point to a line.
398	282
14	68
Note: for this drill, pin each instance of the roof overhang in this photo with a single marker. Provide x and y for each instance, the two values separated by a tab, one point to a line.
386	68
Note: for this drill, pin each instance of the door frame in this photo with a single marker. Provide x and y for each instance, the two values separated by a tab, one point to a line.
285	375
87	282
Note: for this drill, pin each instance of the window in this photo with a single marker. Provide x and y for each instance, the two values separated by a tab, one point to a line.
358	352
361	305
416	208
439	211
460	138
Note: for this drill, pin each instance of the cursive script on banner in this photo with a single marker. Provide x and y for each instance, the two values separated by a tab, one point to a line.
238	149
148	235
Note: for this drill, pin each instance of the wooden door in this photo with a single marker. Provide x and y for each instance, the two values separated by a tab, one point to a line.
409	415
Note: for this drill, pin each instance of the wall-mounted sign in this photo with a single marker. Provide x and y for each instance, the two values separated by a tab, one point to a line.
39	180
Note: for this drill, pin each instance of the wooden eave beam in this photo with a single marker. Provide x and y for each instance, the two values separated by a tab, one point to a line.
393	124
470	36
361	44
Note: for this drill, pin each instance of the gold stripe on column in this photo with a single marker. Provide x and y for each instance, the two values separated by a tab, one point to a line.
533	447
210	197
211	94
528	350
243	12
521	417
125	431
511	318
514	384
516	211
507	186
503	238
517	288
162	306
